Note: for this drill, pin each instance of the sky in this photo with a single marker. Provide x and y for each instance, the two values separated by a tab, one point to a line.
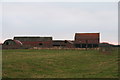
61	20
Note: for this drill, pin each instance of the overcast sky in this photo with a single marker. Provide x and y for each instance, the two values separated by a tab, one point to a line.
61	20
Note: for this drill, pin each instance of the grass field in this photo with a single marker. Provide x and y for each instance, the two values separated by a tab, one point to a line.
59	64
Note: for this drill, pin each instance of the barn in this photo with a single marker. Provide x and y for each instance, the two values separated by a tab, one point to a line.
86	40
11	44
28	42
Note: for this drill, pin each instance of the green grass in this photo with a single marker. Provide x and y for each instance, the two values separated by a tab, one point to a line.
59	64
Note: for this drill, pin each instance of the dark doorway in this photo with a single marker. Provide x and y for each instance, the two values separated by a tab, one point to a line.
78	46
40	44
95	45
83	45
89	45
7	43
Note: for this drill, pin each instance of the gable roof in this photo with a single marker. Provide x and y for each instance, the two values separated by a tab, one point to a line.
86	35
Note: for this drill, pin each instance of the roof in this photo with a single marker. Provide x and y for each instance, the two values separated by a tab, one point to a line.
94	34
71	42
17	42
62	41
27	38
13	42
86	35
58	40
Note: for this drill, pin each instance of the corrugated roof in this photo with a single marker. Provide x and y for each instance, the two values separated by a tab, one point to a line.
86	35
94	34
17	42
27	38
14	42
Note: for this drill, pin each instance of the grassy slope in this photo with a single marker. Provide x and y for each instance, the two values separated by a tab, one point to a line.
59	64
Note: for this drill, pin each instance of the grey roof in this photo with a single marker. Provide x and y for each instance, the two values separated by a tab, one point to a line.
24	38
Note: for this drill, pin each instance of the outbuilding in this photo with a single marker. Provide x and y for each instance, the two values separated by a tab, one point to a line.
43	42
11	44
86	40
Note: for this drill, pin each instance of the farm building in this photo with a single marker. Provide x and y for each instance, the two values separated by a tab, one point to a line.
82	40
63	43
43	42
86	40
11	44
